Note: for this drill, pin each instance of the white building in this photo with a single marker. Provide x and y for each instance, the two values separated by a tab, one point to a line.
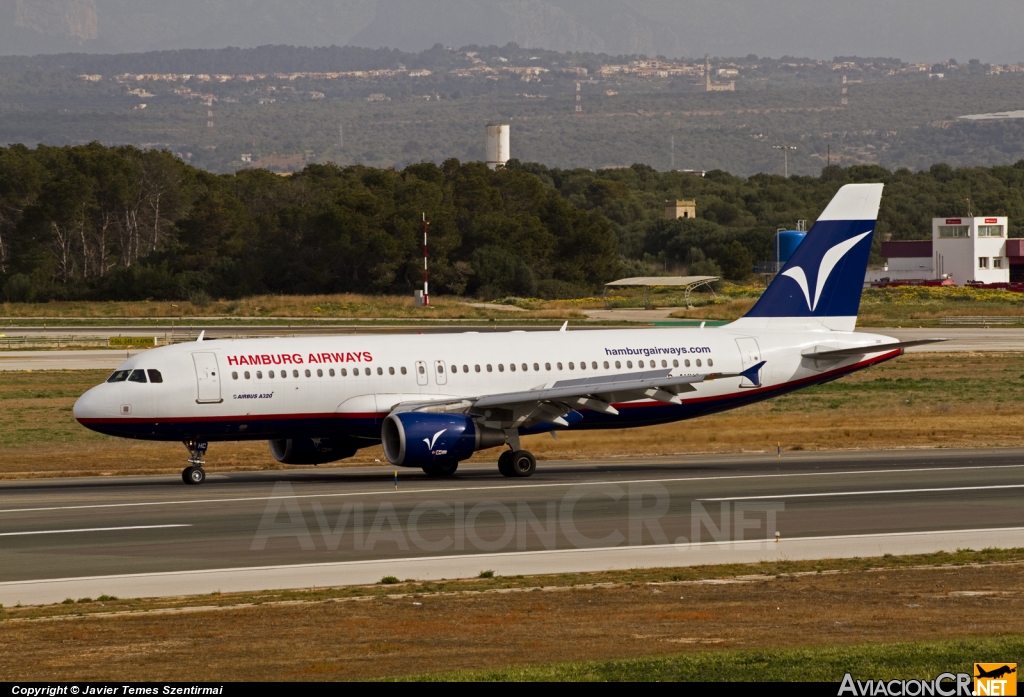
962	250
970	249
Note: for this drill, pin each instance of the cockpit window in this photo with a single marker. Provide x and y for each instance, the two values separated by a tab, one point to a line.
137	376
119	376
155	376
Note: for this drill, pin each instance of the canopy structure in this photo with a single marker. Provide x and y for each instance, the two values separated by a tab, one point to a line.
689	283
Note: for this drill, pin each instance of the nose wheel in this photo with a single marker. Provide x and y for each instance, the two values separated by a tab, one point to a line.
194	474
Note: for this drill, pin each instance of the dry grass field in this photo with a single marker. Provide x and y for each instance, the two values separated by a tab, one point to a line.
422	628
916	401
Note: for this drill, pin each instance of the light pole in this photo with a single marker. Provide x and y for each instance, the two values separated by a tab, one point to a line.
785	153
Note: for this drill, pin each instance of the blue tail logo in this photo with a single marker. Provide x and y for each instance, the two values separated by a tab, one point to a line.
828	262
825	275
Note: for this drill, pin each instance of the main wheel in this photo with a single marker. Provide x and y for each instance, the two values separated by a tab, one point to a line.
194	475
446	469
524	463
505	464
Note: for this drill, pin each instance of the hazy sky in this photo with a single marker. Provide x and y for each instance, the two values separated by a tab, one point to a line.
914	30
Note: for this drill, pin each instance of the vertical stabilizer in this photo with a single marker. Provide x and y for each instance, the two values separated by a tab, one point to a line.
820	285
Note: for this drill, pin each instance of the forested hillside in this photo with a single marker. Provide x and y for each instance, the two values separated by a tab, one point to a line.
122	223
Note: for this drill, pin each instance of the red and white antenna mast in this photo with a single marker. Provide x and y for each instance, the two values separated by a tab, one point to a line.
579	100
843	101
426	293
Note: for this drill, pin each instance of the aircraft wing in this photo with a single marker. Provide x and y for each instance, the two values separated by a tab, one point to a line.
871	348
551	403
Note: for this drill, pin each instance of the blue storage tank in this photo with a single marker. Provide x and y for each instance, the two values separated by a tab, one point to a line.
786	242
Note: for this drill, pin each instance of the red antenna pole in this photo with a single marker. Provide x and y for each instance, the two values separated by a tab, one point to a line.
426	294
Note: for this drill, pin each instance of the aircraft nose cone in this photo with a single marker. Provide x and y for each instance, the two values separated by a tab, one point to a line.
88	406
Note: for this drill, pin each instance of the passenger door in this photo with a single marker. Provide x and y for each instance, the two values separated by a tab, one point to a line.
207	378
440	373
750	354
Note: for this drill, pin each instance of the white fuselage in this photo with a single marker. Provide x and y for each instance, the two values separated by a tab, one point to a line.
345	385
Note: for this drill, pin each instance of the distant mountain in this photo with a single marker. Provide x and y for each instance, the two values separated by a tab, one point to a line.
916	30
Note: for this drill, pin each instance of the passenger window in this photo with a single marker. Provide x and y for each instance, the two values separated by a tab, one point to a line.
270	373
687	362
308	374
664	364
698	362
629	364
234	375
489	368
355	371
571	366
404	370
511	366
319	373
593	364
618	365
455	368
710	363
559	366
259	375
284	374
536	367
606	366
421	369
675	363
640	363
247	376
440	368
344	373
391	371
140	376
476	368
501	368
583	365
380	371
331	372
465	369
547	366
155	376
295	373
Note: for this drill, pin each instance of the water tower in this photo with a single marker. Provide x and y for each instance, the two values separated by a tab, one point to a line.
497	145
786	242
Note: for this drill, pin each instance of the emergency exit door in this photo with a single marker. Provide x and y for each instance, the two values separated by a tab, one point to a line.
207	378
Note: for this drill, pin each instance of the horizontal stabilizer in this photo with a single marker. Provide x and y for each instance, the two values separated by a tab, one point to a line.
870	348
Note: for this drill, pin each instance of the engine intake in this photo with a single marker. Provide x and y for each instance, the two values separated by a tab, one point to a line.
420	439
311	451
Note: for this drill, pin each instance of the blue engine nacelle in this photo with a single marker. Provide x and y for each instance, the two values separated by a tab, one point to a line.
421	439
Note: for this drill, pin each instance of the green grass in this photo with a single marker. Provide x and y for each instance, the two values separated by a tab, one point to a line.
916	660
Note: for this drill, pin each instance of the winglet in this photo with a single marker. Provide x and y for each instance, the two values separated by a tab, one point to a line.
564	326
753	373
201	334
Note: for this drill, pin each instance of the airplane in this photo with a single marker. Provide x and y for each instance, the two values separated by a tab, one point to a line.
432	401
995	673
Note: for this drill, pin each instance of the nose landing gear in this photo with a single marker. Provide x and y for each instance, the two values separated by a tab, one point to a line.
194	473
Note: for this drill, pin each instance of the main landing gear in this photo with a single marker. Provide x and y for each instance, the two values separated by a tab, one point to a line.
194	473
517	463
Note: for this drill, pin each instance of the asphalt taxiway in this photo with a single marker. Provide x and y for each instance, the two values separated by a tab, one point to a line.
150	536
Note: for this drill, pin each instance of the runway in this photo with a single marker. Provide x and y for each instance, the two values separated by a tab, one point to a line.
140	536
